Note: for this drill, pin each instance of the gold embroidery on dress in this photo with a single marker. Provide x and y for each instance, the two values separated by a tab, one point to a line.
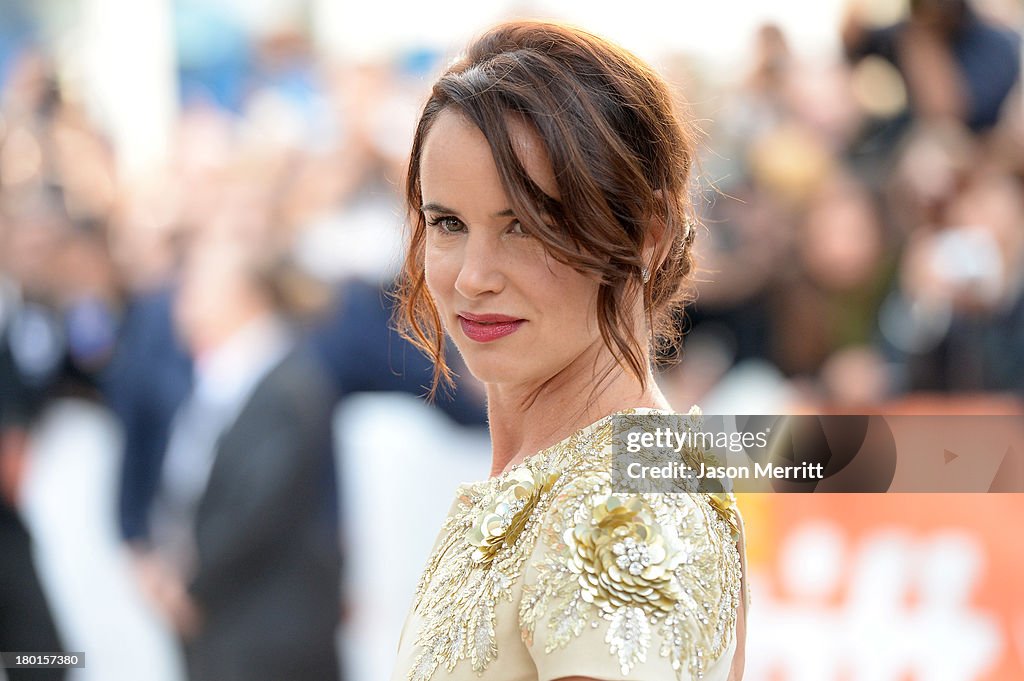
479	558
642	563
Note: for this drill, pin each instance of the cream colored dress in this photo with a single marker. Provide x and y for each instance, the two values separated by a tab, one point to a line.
544	572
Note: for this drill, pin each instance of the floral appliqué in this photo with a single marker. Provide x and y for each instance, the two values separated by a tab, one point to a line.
503	519
641	563
475	565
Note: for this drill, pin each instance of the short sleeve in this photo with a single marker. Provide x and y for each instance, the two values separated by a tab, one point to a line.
631	586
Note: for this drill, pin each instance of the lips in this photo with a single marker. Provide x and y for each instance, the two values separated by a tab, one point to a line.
484	328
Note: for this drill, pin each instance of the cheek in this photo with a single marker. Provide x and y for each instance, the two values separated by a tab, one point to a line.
573	295
439	273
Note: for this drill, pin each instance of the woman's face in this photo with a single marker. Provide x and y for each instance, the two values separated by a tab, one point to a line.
517	315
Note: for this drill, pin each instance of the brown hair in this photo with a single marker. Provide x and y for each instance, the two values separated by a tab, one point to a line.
621	157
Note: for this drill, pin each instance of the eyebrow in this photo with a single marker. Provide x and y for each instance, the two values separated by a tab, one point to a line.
438	208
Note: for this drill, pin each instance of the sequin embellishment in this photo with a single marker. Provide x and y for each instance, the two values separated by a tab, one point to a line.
649	567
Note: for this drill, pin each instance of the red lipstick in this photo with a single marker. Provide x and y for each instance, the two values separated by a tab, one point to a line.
484	328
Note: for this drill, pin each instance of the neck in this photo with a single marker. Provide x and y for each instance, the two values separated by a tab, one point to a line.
216	337
525	419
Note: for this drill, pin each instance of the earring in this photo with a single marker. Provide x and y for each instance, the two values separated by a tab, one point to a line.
645	274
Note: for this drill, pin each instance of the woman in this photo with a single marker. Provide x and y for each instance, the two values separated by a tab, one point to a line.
548	188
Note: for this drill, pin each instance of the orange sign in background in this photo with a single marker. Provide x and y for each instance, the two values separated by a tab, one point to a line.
876	587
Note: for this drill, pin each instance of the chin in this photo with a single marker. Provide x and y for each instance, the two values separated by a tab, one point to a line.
496	369
511	365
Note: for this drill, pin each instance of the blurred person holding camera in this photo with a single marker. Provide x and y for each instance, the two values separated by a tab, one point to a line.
956	321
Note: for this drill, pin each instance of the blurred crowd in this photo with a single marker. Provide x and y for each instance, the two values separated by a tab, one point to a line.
862	240
219	306
865	216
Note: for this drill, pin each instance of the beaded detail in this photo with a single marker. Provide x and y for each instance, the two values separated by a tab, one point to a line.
644	566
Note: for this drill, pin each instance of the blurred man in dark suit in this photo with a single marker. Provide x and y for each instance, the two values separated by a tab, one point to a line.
246	552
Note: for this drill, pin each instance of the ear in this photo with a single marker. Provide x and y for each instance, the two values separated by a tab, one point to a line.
656	244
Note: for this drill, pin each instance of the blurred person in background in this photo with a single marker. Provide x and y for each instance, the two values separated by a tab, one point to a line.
56	332
59	299
62	291
246	559
26	622
148	378
150	372
955	63
826	306
956	322
34	232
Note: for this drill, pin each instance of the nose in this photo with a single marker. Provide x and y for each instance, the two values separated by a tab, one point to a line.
482	268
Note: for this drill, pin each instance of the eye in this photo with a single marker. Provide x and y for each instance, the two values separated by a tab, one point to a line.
516	227
446	224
